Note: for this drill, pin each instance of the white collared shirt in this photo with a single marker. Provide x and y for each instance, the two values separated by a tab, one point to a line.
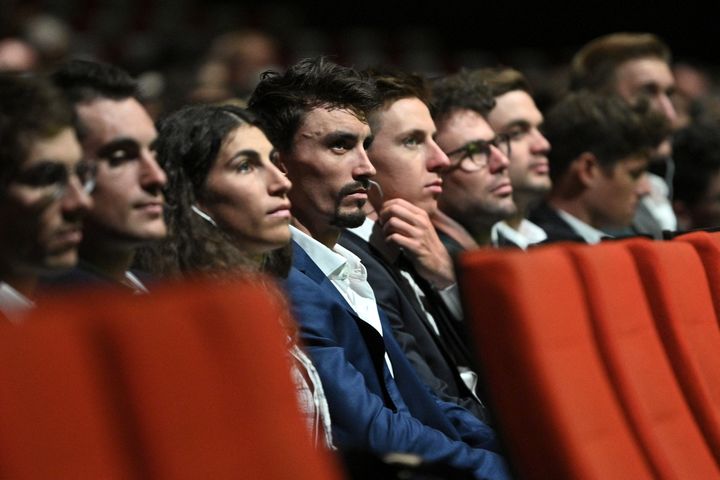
13	304
589	233
527	233
349	276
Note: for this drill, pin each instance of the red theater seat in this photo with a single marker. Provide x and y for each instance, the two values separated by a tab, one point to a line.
189	382
678	293
553	401
708	247
637	363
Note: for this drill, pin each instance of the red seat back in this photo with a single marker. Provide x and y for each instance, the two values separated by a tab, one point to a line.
553	401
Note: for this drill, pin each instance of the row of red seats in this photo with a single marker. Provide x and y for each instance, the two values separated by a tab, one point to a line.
602	361
191	382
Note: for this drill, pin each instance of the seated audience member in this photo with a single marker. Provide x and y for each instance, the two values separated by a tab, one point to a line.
516	115
407	161
601	149
477	192
636	66
697	176
229	214
44	186
315	115
118	136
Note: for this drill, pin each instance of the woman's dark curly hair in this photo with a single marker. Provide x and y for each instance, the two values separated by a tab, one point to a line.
188	145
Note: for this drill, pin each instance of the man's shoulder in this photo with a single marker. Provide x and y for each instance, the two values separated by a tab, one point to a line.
556	228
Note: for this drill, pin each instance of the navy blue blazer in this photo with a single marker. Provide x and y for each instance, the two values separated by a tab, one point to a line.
369	408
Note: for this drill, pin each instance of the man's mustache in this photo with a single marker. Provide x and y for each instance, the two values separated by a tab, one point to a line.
350	188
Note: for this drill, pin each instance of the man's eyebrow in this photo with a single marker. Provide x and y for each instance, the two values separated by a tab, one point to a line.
518	123
342	137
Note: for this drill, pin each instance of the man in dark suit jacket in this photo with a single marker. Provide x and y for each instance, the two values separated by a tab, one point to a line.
433	347
429	334
315	117
601	150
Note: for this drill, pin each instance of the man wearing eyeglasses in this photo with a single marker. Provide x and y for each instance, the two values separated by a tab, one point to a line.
117	135
44	188
477	190
408	267
516	115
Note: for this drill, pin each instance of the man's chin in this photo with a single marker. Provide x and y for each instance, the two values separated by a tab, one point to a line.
348	220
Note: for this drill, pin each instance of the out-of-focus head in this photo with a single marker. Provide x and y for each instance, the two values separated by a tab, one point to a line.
16	55
403	151
601	149
696	184
44	183
635	66
476	191
516	115
316	116
118	135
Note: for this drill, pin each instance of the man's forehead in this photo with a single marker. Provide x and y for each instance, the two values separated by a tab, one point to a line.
406	114
469	122
62	148
321	121
641	71
109	118
513	107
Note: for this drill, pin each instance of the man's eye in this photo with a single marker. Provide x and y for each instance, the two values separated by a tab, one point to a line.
518	132
339	148
44	175
411	142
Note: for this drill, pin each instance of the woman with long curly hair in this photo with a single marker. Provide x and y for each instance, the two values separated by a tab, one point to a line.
228	214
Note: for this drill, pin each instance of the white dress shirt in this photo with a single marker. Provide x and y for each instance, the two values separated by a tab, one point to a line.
13	304
349	276
527	233
589	233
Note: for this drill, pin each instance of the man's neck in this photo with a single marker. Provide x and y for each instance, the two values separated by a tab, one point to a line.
112	263
327	236
573	207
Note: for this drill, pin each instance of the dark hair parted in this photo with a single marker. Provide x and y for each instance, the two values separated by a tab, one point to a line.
188	145
30	109
696	151
593	66
464	90
283	100
604	125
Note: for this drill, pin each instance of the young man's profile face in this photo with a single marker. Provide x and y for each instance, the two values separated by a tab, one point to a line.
405	154
616	193
515	114
649	78
329	169
128	196
42	209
